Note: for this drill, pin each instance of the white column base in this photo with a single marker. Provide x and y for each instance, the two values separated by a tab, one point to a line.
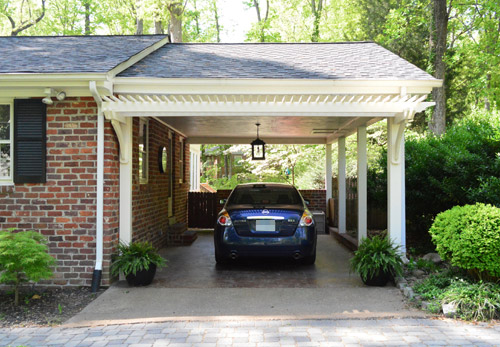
126	186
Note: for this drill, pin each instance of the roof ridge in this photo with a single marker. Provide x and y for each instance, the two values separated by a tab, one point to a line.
269	43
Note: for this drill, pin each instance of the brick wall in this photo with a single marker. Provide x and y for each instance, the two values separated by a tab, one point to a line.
316	197
150	219
63	208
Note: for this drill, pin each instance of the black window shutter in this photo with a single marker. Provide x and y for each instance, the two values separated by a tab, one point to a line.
30	118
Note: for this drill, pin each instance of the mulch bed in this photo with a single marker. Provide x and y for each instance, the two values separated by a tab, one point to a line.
43	307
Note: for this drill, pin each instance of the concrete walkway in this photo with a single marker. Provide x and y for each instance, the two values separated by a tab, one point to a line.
267	333
193	287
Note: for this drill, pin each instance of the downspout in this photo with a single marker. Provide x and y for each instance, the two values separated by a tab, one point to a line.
96	276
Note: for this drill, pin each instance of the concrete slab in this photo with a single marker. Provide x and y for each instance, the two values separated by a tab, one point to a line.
192	287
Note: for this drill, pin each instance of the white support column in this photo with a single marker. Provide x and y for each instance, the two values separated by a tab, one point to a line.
396	215
362	186
126	183
328	172
342	185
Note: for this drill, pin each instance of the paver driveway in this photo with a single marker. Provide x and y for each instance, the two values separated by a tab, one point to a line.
275	333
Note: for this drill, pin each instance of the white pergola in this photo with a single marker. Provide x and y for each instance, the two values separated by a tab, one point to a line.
224	111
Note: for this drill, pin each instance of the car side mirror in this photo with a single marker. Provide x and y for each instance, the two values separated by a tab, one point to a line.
307	202
222	201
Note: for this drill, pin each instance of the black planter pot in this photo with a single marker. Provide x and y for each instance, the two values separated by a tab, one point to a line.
379	280
142	277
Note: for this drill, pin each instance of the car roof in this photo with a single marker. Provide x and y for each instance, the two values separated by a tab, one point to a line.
264	184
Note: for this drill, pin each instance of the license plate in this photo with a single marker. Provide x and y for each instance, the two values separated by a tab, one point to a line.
263	225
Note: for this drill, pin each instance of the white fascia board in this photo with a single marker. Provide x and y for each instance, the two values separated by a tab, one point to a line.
137	57
33	85
135	85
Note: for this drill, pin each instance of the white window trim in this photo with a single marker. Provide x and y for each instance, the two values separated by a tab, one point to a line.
182	155
145	165
4	180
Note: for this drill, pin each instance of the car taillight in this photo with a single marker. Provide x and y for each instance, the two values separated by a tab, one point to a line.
224	219
306	219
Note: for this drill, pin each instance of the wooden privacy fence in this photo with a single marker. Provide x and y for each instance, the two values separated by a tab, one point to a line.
202	209
377	215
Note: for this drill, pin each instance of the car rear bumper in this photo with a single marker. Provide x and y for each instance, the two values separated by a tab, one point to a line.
229	244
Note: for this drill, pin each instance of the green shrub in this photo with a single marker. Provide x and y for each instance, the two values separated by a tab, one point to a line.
460	167
469	237
375	255
135	257
23	258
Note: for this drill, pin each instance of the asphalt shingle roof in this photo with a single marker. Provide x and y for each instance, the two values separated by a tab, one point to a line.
69	54
349	60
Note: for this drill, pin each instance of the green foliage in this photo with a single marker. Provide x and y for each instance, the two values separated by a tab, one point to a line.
376	255
421	264
23	258
469	237
461	167
474	300
135	257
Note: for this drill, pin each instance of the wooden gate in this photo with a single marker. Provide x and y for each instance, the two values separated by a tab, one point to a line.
202	209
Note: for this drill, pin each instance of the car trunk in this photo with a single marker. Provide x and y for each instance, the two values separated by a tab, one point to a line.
265	222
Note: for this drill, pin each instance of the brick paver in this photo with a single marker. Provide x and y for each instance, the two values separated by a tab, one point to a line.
259	333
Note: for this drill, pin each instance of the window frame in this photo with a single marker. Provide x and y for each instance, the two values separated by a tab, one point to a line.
182	159
145	163
7	180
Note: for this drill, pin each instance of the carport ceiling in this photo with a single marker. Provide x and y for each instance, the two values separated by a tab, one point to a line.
275	129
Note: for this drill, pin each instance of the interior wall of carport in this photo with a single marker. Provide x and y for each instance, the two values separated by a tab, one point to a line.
150	213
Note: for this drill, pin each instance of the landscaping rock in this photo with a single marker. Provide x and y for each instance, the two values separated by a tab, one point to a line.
418	273
449	310
408	292
434	257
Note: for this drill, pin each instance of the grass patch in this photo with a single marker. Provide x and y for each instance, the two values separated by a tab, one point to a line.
474	300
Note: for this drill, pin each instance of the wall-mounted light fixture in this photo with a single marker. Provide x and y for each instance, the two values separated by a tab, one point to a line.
258	147
60	95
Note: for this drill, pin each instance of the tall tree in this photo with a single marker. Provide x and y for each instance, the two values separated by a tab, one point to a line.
22	15
438	45
175	9
317	8
261	21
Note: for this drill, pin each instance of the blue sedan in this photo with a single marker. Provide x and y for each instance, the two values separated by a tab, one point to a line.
265	219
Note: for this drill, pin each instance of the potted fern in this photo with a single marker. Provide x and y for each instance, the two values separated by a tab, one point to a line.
138	262
377	260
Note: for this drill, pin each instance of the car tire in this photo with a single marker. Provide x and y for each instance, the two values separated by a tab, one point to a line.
310	259
221	260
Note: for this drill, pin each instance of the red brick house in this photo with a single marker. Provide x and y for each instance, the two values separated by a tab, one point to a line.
94	130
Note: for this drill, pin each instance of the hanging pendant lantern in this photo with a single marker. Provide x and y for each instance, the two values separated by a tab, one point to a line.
258	147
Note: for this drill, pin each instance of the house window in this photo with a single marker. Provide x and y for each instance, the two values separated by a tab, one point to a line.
143	150
6	139
181	160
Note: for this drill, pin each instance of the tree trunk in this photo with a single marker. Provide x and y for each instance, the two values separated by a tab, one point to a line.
216	17
317	8
87	17
261	22
175	27
139	30
158	27
437	122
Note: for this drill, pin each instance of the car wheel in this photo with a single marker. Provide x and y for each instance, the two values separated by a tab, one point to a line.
310	259
221	260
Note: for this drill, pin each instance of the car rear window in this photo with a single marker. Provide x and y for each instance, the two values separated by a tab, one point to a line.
265	195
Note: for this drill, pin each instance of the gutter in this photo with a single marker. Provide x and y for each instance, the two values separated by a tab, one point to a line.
96	276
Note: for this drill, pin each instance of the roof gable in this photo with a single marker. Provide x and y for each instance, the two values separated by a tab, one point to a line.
346	60
69	54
